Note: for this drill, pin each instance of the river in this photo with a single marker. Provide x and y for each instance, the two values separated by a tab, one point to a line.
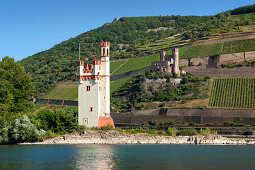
127	157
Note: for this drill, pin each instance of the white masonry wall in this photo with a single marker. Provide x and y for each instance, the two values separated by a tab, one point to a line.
105	83
88	99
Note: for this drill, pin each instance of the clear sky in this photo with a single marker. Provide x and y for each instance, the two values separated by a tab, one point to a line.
31	26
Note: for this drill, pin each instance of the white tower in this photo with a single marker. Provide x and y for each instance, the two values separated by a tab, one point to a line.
94	91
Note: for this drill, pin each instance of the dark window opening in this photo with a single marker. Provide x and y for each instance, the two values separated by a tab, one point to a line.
87	88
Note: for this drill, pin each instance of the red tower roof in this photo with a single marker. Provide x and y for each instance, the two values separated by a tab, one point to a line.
105	44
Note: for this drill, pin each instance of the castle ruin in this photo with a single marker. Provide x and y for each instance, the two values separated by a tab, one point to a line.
168	63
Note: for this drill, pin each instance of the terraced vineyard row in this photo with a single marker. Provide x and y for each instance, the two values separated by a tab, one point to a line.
233	93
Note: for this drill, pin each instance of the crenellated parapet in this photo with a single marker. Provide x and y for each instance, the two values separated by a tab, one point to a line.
105	44
97	62
88	72
88	68
80	63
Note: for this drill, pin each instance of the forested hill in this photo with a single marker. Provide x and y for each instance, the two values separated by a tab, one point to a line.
133	31
125	35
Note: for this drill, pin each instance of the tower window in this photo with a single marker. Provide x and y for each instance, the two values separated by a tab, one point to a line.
99	88
103	52
91	109
87	88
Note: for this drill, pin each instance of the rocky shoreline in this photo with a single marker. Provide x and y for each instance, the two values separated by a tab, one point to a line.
116	137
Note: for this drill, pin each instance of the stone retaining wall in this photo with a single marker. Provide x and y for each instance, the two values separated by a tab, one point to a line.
187	115
56	102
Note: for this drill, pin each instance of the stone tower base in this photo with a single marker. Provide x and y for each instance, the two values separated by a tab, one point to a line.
105	121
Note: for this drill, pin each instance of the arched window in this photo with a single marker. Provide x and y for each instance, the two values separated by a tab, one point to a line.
108	52
103	52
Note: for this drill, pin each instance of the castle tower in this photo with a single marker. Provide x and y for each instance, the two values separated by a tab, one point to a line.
94	91
176	69
162	55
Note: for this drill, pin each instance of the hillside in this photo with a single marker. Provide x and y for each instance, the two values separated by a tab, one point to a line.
131	37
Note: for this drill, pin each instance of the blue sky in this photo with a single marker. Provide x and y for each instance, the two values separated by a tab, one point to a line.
31	26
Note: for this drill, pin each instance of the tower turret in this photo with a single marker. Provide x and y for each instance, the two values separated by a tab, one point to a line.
176	69
105	48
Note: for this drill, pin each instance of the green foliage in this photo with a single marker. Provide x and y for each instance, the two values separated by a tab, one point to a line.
153	123
172	131
19	130
59	62
60	122
134	91
233	93
15	90
192	124
205	131
162	104
243	10
187	132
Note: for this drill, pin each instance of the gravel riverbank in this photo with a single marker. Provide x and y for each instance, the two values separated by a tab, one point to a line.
116	137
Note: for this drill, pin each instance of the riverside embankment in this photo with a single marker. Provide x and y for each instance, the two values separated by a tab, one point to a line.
116	137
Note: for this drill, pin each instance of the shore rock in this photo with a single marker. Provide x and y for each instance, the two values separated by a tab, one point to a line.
116	137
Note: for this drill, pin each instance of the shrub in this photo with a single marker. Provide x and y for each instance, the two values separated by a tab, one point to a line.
162	104
205	131
172	131
175	75
153	123
21	129
61	122
170	123
228	123
187	132
192	124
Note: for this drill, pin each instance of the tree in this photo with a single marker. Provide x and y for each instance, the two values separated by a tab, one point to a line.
15	89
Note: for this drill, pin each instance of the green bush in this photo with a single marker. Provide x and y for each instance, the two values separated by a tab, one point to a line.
199	64
61	122
192	124
162	104
172	131
19	130
228	123
153	123
205	131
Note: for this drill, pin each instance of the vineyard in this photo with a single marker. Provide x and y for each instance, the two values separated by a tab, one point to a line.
227	47
233	93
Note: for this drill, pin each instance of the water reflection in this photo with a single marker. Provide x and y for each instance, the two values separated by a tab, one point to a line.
94	156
